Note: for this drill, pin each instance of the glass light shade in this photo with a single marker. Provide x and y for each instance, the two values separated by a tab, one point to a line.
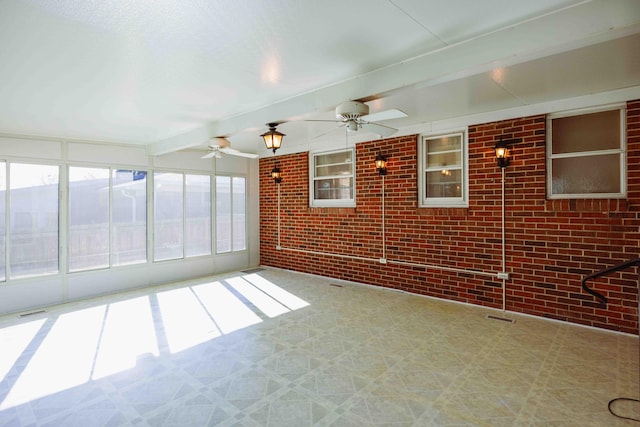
272	138
502	154
381	164
276	174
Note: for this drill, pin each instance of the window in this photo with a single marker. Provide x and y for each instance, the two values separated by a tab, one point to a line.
182	215
33	221
197	215
332	178
3	221
442	163
585	156
231	222
107	218
168	215
88	218
129	217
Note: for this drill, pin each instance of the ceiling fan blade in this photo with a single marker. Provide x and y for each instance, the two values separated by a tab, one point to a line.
234	152
328	121
209	155
330	130
384	115
381	130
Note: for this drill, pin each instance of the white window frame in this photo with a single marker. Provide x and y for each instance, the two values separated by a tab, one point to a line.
214	191
186	241
312	178
9	211
456	202
110	254
621	151
112	223
156	223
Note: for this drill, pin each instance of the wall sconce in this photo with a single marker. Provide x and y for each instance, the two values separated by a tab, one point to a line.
502	153
381	164
276	174
272	138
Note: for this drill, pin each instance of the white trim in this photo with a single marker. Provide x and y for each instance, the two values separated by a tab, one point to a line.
455	202
214	219
621	152
586	110
5	220
341	203
67	226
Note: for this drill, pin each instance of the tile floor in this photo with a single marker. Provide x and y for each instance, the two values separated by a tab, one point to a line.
276	348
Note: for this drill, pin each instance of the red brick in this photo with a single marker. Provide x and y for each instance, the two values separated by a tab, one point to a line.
551	244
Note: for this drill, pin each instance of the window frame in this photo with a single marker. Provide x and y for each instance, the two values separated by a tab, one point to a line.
157	224
70	195
62	218
342	203
214	191
185	240
4	227
10	275
115	220
621	151
443	202
187	243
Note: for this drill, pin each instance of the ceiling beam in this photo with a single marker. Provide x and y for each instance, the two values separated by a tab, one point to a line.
591	22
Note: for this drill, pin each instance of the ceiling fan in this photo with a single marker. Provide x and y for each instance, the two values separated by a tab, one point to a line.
354	115
220	145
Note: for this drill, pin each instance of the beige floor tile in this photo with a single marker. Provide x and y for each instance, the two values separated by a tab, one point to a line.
349	355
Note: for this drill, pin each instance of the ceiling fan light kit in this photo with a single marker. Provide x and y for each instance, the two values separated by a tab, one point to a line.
351	110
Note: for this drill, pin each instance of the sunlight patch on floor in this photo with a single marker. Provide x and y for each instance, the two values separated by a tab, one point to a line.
270	288
128	333
185	321
93	343
264	302
15	340
63	360
229	313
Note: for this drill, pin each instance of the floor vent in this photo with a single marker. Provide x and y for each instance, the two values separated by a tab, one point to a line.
32	313
502	319
254	270
336	285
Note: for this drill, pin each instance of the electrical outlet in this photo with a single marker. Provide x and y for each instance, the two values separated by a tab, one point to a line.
503	276
383	260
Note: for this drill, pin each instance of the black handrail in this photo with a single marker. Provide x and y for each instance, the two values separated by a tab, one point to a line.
606	271
603	301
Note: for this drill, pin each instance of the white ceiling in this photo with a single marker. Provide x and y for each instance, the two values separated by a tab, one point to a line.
170	74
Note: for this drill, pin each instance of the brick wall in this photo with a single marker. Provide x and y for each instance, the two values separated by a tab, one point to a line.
550	244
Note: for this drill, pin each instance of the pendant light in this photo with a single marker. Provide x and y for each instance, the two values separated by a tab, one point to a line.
272	138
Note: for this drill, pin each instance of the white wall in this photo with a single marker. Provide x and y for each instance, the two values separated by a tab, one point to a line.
25	294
